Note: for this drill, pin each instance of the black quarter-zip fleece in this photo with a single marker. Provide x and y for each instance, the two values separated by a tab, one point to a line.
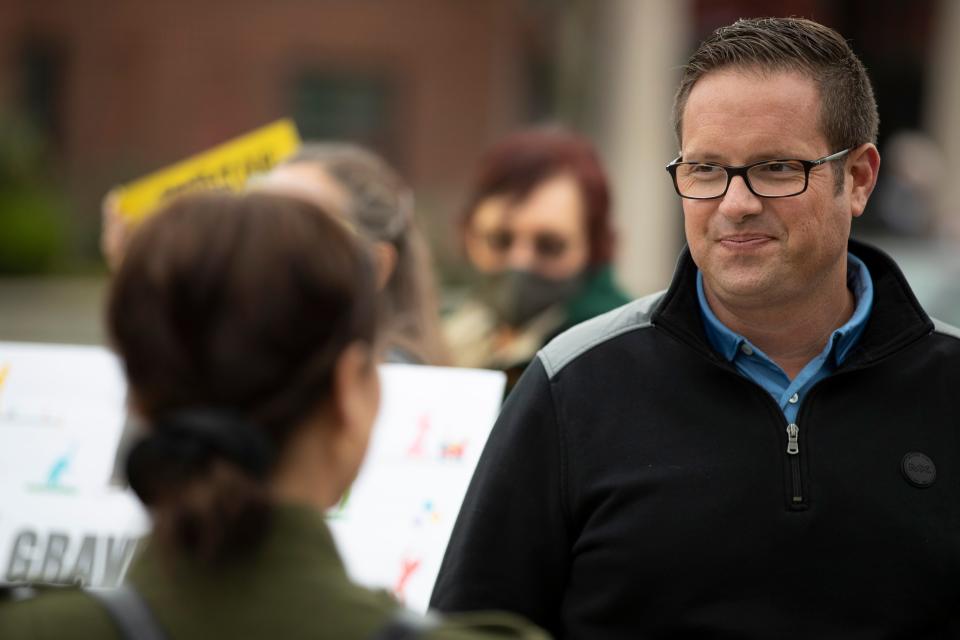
637	486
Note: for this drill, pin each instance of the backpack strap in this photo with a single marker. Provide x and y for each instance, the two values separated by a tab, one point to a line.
129	612
406	625
17	592
135	621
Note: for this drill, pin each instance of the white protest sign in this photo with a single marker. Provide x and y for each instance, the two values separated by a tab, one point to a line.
62	408
393	527
61	413
87	536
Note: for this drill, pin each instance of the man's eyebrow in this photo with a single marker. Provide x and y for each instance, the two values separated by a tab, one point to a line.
715	158
703	157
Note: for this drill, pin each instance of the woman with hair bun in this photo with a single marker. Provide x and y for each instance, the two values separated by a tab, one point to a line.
247	327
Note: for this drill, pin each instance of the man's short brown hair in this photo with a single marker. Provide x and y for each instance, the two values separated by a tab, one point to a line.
848	109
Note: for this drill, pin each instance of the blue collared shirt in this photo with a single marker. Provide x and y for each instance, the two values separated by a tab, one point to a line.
755	365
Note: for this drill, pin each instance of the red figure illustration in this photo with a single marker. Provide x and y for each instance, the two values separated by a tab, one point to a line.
408	566
423	427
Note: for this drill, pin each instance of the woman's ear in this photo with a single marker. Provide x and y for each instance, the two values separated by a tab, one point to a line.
386	256
355	398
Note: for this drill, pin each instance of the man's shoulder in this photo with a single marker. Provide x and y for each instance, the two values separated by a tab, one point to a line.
483	625
577	340
945	329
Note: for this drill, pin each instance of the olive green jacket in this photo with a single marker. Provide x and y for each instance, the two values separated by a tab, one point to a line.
294	586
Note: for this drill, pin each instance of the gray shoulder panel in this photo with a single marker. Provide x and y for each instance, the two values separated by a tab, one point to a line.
585	336
942	327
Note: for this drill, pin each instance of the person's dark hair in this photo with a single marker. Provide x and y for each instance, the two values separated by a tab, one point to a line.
382	207
229	313
848	109
515	165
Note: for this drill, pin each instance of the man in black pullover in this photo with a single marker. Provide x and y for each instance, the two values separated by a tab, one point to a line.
769	448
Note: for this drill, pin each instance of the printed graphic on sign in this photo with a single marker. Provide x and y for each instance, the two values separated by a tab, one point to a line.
84	537
55	557
432	426
4	371
453	450
408	566
418	448
55	477
62	408
226	166
340	510
439	444
13	414
427	515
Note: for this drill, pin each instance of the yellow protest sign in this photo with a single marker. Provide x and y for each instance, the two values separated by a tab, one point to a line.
228	165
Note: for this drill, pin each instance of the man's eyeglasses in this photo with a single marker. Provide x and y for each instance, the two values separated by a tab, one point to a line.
767	179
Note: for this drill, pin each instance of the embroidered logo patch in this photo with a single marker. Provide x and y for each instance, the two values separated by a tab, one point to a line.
918	469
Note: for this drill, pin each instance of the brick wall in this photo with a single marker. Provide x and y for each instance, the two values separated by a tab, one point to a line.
147	83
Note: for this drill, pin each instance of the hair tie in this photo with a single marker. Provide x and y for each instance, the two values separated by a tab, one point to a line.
181	443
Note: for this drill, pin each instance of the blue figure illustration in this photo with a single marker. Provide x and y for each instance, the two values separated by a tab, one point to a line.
60	466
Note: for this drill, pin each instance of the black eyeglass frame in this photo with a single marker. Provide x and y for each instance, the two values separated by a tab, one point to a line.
742	170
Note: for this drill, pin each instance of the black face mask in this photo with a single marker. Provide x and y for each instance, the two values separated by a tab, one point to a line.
518	296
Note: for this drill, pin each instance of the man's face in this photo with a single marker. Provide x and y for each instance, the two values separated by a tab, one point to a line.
544	233
760	251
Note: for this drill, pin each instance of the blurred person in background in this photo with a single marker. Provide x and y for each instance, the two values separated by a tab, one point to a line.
906	198
114	230
373	197
247	329
379	204
537	231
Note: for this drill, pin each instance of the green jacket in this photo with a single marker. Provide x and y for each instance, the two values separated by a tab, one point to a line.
294	586
600	294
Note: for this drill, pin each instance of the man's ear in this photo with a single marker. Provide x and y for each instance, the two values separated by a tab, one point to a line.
864	166
386	257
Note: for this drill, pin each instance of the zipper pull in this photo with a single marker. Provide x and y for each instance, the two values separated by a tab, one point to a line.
793	439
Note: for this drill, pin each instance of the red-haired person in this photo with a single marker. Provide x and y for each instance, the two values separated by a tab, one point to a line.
538	232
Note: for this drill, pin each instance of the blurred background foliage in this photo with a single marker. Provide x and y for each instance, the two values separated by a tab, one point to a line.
34	221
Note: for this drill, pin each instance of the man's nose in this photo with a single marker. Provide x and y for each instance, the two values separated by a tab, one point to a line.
739	202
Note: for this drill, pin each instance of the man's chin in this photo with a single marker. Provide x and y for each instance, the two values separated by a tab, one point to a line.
745	285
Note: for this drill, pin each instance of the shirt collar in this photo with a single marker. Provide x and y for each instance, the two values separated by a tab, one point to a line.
727	343
861	284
